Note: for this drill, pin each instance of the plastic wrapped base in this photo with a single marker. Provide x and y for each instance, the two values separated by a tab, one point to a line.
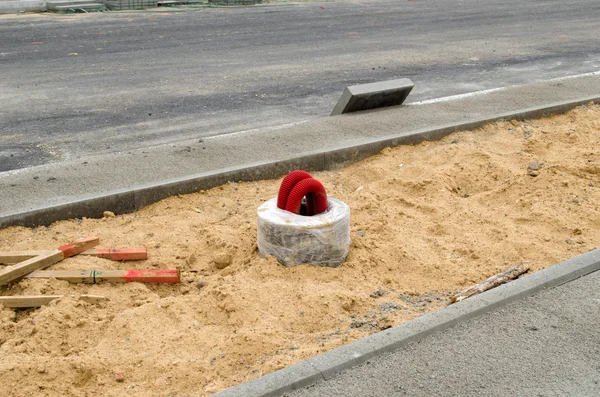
321	240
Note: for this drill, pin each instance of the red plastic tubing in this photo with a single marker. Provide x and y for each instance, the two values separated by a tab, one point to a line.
297	185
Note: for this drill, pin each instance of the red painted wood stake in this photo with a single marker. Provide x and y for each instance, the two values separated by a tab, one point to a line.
79	246
151	276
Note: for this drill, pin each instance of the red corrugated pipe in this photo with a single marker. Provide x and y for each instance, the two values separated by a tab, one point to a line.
297	185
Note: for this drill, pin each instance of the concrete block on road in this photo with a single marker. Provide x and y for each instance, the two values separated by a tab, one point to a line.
373	96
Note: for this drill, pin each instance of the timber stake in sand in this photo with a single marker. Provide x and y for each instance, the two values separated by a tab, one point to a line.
25	262
153	276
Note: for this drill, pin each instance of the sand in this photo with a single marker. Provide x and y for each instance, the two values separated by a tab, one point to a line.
427	221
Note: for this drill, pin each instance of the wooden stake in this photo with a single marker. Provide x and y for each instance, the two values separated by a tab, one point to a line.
118	254
169	276
491	282
72	276
79	246
28	301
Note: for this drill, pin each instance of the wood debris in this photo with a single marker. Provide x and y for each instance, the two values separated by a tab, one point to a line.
491	282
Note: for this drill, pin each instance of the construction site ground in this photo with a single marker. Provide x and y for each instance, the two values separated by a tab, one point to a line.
427	221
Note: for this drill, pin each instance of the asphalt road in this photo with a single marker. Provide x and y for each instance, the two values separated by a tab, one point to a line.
78	85
545	345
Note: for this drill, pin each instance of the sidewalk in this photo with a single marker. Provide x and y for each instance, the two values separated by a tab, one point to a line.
544	345
125	182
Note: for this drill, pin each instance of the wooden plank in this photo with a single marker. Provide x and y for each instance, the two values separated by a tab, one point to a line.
491	282
72	276
14	272
156	276
79	246
12	257
118	254
29	301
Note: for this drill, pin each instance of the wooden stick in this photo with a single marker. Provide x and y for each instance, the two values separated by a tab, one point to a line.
113	254
28	301
14	272
12	257
79	246
169	276
111	276
491	282
72	276
118	254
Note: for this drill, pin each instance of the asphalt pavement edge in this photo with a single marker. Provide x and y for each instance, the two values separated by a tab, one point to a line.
327	365
135	198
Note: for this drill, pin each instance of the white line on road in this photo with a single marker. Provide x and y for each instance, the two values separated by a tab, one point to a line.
483	92
264	129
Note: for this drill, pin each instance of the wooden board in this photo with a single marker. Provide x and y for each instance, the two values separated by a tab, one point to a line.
29	301
118	254
72	276
12	257
168	276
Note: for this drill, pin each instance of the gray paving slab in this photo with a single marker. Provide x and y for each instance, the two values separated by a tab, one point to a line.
373	96
74	188
544	345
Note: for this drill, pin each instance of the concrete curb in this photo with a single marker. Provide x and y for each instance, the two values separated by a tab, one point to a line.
329	364
130	200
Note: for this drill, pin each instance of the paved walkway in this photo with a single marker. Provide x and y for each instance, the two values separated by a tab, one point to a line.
544	345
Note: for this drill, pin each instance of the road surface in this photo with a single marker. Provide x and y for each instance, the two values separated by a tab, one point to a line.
78	85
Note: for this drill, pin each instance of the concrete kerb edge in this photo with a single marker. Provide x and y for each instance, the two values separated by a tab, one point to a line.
329	364
126	201
120	202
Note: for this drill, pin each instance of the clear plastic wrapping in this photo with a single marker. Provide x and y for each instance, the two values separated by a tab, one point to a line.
321	240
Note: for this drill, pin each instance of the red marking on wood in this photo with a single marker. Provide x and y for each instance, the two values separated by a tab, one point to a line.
79	246
119	254
153	276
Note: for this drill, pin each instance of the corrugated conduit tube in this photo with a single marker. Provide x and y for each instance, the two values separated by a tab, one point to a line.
302	225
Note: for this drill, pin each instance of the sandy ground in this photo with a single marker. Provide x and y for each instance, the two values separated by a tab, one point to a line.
427	220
